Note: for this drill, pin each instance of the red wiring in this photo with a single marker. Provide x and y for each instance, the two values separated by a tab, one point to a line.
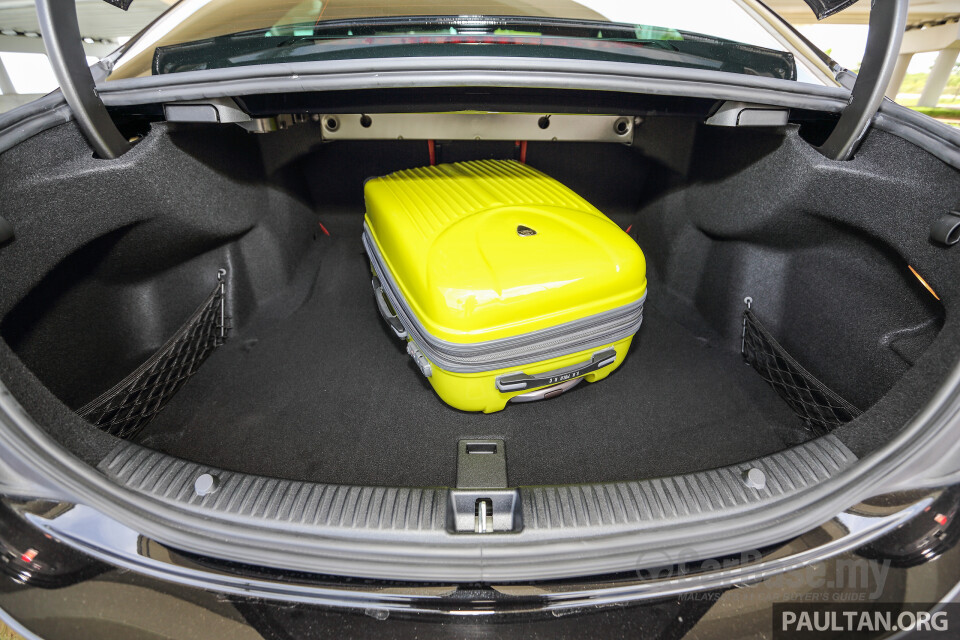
323	228
628	229
432	150
523	152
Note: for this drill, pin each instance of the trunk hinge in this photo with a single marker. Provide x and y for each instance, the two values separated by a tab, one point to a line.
888	20
61	37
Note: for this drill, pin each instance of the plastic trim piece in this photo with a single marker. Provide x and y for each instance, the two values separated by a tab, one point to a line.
550	516
741	114
481	464
214	110
296	506
61	37
687	497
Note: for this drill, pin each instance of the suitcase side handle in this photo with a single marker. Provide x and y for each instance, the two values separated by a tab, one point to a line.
384	305
521	381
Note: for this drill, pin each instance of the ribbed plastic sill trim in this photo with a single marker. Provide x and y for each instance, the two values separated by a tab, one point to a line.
548	511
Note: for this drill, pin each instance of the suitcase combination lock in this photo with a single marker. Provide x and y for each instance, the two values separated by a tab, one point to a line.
421	360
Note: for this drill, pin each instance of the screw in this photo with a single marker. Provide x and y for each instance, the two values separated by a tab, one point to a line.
621	126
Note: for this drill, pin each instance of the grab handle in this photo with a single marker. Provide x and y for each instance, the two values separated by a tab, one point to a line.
384	305
520	381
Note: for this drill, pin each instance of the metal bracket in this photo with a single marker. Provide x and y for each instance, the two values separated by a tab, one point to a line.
888	19
478	126
61	37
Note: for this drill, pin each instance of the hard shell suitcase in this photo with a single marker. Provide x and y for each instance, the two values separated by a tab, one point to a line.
505	284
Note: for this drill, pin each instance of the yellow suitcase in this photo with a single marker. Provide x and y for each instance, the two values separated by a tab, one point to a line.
506	285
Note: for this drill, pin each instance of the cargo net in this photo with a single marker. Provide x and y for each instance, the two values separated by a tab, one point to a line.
819	407
130	404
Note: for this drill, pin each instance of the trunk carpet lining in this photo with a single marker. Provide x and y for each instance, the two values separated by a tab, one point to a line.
315	387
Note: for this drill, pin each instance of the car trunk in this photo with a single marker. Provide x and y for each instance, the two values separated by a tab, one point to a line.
111	258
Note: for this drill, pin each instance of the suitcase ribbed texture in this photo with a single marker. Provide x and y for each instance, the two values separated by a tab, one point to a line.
502	183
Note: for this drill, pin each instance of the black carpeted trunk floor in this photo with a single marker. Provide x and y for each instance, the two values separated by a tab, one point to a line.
315	387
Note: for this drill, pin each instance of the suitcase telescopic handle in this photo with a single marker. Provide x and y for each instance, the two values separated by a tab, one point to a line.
521	381
384	305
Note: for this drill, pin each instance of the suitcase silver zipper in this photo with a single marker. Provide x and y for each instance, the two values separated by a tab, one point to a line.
587	333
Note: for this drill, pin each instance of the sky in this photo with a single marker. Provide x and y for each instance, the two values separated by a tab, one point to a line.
721	18
846	42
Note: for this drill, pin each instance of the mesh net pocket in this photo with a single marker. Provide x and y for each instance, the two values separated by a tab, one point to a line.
134	401
813	401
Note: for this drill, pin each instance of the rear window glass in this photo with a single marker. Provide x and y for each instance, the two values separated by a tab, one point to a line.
197	35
